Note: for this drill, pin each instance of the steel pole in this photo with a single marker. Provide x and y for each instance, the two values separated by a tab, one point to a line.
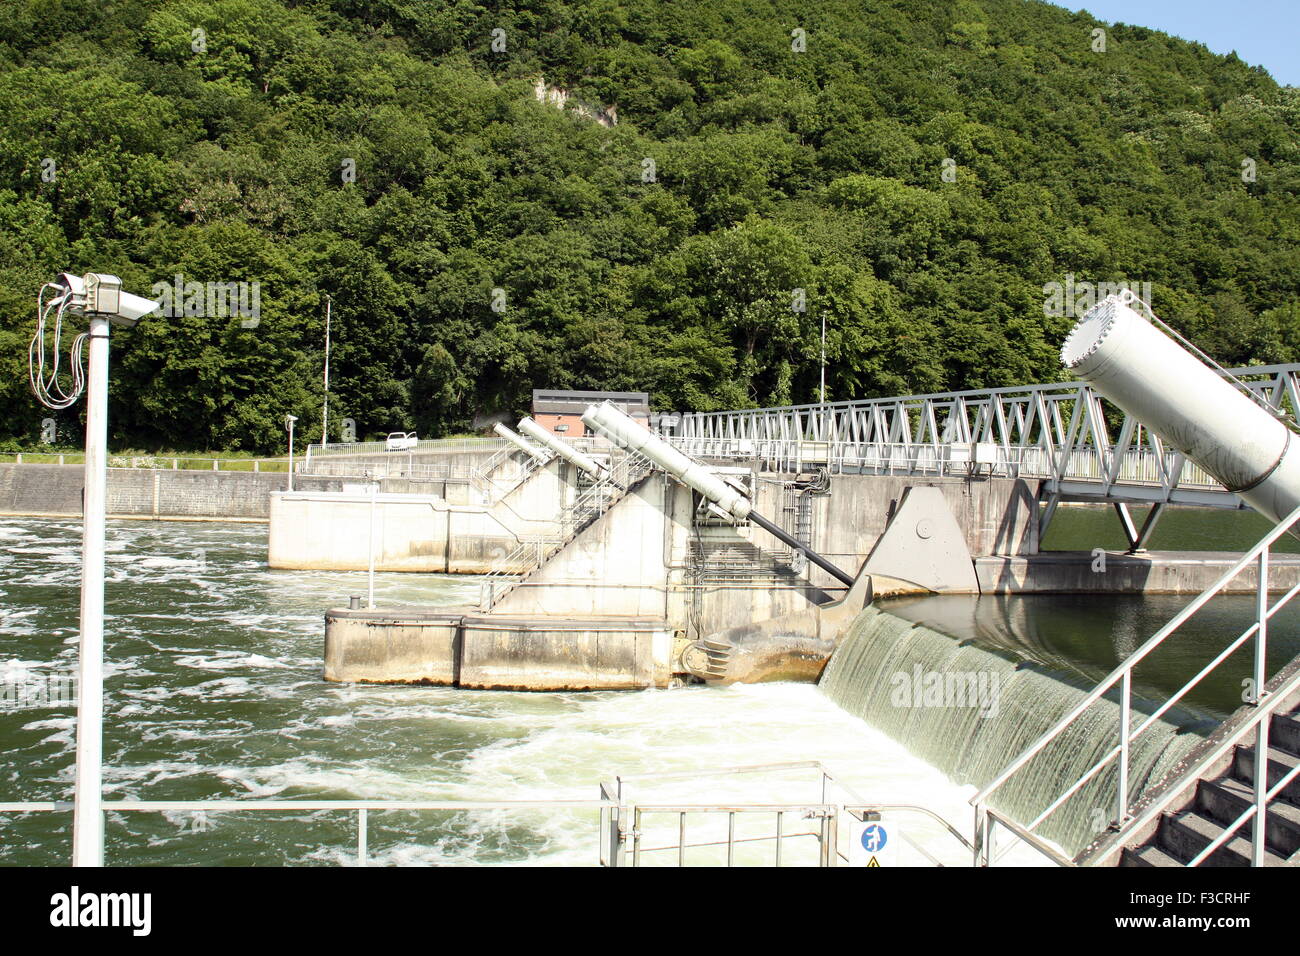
823	391
325	409
291	456
370	575
87	813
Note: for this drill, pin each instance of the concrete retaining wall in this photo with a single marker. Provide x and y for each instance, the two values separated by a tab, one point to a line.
163	493
426	532
1114	572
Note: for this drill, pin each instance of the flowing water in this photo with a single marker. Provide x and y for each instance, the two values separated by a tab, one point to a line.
899	676
1029	660
214	691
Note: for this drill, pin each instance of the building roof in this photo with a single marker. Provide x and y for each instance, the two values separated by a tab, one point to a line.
558	402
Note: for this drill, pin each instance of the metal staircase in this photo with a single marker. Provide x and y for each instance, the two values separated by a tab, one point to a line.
1196	814
490	489
1193	833
593	500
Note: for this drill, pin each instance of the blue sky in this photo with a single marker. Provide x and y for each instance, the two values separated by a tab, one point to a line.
1263	32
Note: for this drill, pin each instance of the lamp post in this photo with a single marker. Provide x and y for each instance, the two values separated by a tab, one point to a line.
823	388
325	408
825	430
288	423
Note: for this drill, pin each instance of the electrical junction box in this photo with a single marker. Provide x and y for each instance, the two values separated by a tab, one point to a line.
103	294
971	453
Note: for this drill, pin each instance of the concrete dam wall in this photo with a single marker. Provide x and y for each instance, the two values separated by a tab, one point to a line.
163	493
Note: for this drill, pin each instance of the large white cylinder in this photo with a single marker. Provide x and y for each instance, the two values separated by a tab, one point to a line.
623	431
1191	407
518	441
563	449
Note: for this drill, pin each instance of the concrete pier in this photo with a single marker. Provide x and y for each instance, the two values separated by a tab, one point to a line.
497	652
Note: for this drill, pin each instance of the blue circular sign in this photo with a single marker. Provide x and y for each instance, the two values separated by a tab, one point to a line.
874	838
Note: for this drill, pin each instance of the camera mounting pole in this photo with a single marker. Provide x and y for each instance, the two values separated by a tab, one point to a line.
100	298
87	808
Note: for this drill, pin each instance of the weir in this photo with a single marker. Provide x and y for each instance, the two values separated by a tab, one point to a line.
732	558
963	707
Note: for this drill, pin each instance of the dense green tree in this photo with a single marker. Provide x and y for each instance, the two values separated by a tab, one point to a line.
700	185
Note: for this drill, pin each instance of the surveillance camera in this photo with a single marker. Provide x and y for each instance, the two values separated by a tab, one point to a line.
104	296
98	293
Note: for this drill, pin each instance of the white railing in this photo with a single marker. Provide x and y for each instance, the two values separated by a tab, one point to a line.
592	502
826	820
987	819
1060	432
156	462
396	467
423	446
360	808
623	826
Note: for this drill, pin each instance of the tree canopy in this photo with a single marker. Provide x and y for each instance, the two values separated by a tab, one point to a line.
913	172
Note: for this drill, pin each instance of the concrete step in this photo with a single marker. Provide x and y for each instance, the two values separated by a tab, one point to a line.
1279	764
1226	799
1284	733
1185	834
1149	855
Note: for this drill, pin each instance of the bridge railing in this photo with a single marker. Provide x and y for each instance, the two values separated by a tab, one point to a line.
1135	466
631	830
1061	431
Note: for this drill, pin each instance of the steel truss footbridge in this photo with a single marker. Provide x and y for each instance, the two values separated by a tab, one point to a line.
1065	435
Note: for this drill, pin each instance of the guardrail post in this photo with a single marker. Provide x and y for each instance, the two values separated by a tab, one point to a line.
981	837
780	820
1259	830
1126	692
362	836
636	836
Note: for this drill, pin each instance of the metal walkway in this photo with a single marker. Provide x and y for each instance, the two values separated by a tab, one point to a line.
1060	433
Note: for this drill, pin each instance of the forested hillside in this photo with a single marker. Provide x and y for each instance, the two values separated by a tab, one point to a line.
914	170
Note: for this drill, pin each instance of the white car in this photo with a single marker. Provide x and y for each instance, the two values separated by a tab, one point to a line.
401	441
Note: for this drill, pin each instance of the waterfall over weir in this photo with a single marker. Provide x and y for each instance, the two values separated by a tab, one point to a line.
969	709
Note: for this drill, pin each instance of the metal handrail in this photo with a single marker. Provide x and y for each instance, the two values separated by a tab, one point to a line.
1292	368
597	498
362	808
1257	721
1056	431
613	806
1123	675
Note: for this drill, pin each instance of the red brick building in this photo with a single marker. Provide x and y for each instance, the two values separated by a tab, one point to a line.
561	412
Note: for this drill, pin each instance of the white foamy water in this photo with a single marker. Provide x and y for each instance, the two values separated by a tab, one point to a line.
214	691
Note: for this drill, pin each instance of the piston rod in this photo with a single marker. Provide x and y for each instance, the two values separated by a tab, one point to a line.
517	440
626	432
563	449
